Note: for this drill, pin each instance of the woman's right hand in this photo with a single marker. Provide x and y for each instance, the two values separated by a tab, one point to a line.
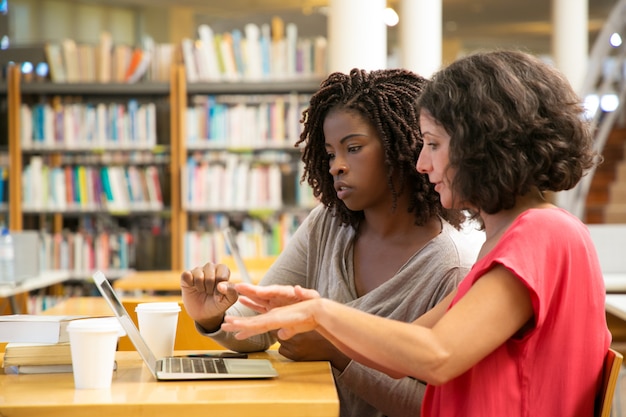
207	293
265	298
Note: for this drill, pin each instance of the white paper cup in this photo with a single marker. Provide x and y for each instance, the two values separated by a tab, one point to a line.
93	343
157	325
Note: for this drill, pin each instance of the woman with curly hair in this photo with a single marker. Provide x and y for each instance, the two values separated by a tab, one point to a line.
380	241
525	334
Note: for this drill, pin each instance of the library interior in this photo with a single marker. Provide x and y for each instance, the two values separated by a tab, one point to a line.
133	133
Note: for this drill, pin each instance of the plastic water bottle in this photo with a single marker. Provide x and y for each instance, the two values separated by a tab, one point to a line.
7	258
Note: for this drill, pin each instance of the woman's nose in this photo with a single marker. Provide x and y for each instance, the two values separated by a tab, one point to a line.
422	165
338	167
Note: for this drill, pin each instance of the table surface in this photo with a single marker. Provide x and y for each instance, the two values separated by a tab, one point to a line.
166	281
301	389
46	279
616	305
615	282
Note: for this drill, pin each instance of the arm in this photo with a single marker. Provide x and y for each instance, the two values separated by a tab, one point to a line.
289	268
468	332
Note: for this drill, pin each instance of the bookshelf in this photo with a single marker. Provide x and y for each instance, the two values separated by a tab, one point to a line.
181	229
241	168
173	151
74	151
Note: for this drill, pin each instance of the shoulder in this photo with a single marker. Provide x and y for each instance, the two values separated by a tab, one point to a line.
322	217
321	225
547	221
463	244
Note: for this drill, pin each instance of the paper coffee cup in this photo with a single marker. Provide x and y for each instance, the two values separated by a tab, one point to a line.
157	325
92	344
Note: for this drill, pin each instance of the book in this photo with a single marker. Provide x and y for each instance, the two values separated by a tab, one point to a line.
103	58
34	328
210	67
38	369
139	64
42	369
70	58
20	354
54	56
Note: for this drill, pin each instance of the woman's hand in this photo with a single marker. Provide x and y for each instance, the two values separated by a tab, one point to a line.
263	299
207	293
289	320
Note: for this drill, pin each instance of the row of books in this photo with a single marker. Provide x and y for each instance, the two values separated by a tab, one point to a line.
245	121
112	244
273	50
158	155
88	125
85	188
80	251
106	62
269	51
255	237
121	249
243	182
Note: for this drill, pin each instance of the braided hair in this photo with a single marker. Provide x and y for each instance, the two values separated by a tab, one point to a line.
386	98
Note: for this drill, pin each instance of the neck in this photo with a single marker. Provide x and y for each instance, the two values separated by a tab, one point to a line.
496	224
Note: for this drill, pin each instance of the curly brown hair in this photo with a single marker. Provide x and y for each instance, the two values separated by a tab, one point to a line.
386	98
514	122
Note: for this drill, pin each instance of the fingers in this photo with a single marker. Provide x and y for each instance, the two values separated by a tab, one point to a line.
186	279
259	308
243	328
290	320
305	293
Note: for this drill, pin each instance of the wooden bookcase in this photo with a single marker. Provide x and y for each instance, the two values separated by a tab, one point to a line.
177	92
168	93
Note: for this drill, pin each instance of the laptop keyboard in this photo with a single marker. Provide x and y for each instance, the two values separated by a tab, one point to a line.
194	365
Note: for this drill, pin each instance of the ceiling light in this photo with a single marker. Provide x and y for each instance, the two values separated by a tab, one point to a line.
609	102
390	17
615	40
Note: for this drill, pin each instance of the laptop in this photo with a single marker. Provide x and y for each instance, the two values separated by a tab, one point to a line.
177	367
229	237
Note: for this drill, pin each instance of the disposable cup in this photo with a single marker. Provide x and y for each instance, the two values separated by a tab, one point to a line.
157	325
92	344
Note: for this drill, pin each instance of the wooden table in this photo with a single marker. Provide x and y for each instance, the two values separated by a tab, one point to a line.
615	282
187	337
142	282
151	282
301	389
616	305
45	279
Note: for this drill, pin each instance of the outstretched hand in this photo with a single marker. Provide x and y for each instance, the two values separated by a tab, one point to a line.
289	321
207	293
265	298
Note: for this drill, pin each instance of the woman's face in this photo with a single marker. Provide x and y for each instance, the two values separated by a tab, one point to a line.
434	158
357	160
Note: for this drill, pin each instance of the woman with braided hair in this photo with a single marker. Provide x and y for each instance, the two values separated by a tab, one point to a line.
380	241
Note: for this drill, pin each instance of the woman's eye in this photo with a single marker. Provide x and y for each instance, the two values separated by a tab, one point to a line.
353	148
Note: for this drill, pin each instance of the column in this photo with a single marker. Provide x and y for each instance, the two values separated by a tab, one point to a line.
357	35
421	35
570	39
